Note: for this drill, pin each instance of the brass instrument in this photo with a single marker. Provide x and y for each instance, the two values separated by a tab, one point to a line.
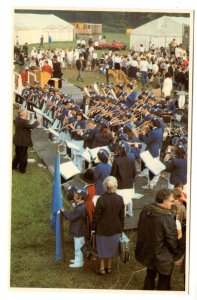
111	91
95	87
86	91
146	126
94	109
68	125
124	96
102	92
135	144
169	153
117	122
134	88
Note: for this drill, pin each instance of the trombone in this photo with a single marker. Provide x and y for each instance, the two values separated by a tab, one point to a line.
146	125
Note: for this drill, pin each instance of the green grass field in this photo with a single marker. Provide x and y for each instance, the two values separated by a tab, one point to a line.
110	36
33	243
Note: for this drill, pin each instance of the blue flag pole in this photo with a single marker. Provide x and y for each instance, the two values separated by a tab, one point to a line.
55	221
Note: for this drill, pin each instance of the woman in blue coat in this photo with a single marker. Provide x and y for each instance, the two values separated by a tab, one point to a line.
177	166
102	170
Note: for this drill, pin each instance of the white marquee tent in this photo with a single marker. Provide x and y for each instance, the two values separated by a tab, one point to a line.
159	32
30	27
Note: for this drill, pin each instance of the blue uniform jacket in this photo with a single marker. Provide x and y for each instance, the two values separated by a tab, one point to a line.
130	101
146	118
178	170
171	107
101	171
133	150
153	141
88	137
77	219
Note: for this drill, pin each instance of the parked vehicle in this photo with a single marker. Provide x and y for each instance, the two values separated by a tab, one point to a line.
114	45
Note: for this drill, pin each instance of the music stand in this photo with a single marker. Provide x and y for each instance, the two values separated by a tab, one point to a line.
153	164
68	170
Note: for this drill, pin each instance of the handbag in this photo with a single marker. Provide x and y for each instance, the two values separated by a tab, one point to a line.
89	248
124	248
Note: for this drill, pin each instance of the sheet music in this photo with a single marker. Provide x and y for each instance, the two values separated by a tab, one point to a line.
72	146
86	154
137	196
54	132
68	170
153	164
42	114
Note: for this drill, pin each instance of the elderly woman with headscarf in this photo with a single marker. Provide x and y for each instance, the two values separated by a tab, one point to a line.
108	224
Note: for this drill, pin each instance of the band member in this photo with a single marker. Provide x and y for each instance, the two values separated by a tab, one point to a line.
103	136
177	166
145	115
102	170
124	169
119	90
171	107
86	104
76	133
131	96
153	139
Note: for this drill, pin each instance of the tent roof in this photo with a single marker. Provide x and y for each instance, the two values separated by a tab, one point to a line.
38	21
164	20
180	20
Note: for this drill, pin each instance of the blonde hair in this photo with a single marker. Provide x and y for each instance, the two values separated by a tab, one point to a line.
110	184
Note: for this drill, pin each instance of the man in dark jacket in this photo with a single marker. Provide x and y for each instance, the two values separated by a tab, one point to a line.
156	244
22	140
79	65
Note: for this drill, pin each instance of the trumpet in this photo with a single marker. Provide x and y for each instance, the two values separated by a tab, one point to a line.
94	109
145	126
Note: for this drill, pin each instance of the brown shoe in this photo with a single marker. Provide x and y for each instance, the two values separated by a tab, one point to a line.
108	270
100	272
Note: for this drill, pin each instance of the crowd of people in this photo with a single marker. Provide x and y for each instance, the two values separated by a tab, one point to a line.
122	123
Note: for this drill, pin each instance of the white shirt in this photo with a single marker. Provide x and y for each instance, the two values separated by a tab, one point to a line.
144	66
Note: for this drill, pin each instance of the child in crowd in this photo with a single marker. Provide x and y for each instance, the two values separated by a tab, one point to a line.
77	218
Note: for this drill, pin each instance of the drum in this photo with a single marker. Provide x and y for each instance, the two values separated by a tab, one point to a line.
181	101
178	116
167	118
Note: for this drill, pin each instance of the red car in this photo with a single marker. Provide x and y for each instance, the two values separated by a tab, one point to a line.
110	45
117	46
